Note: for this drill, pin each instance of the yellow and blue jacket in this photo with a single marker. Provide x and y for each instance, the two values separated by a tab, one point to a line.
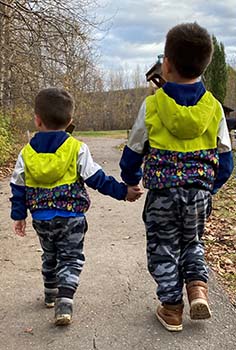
50	176
182	140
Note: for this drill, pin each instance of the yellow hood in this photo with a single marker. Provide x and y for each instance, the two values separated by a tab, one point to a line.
48	169
186	122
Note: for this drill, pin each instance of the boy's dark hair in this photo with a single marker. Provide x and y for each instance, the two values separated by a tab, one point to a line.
189	48
55	107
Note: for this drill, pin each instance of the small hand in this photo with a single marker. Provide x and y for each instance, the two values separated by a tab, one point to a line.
19	227
134	193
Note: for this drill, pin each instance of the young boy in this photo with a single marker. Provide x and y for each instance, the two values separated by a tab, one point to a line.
181	137
48	180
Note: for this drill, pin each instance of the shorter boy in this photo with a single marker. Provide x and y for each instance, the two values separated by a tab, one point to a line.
49	179
181	136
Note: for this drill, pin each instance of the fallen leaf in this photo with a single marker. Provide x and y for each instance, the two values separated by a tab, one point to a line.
28	330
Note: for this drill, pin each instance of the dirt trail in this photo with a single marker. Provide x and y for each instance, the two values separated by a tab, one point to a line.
115	305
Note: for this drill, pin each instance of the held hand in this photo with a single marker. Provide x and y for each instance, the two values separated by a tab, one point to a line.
134	193
19	227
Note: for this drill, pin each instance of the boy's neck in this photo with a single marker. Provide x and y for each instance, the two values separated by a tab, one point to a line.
176	78
184	81
49	130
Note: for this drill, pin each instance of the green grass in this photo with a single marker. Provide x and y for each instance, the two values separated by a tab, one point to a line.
110	133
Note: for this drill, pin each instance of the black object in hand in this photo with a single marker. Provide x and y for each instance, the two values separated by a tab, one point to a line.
70	128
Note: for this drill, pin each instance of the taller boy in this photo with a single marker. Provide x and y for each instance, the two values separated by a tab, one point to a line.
181	136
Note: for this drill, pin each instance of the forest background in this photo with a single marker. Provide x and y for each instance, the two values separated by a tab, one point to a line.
52	43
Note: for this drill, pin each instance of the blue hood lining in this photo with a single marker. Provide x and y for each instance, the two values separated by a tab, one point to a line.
48	142
185	94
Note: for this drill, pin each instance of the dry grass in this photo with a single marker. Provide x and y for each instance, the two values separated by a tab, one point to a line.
116	134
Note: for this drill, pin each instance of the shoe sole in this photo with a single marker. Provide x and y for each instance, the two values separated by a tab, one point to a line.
199	310
63	320
171	328
49	305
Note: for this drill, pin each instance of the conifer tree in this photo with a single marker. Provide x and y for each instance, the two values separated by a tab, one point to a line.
215	77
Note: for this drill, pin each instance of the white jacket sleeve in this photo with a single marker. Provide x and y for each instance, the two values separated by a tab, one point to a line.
86	165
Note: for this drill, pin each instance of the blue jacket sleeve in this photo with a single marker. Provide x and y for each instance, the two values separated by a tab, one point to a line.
226	166
18	202
107	185
130	164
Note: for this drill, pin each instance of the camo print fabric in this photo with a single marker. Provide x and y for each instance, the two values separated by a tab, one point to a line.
175	220
62	242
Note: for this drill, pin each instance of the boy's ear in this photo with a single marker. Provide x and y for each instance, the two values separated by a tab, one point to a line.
167	69
167	65
70	127
37	121
70	122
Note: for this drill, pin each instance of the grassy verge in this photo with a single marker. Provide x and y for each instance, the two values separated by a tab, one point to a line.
111	133
220	237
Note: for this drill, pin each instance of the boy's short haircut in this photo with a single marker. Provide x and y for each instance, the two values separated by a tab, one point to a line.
55	107
189	48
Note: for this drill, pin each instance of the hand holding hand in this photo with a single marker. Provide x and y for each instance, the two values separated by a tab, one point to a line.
134	193
19	227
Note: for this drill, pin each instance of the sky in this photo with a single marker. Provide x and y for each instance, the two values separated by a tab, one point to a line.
137	28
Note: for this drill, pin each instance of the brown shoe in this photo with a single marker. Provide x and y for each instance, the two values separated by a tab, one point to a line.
198	300
170	316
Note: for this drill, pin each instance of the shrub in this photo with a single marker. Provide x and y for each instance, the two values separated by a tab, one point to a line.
13	134
6	139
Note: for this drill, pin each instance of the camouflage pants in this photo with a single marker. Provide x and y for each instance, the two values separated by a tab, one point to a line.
175	220
62	242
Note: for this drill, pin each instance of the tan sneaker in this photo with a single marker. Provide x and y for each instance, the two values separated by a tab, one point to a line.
170	316
63	311
198	300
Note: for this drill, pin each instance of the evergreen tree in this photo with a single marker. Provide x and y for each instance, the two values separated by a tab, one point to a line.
215	77
230	98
